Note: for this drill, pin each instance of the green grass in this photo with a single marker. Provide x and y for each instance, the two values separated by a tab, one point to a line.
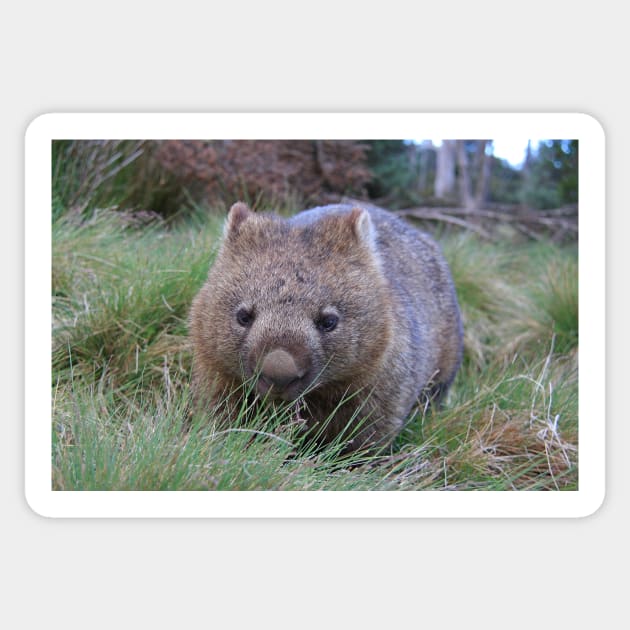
121	414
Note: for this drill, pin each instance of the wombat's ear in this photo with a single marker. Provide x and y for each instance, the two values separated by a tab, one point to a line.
363	227
238	213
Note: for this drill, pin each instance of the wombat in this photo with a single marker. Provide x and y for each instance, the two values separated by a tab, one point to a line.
348	310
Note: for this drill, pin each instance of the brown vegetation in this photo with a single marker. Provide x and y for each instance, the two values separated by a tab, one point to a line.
249	169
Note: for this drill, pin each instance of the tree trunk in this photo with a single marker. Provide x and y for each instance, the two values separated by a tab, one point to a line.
465	186
477	173
484	162
445	170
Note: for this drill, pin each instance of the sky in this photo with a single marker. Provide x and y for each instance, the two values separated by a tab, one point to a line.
510	149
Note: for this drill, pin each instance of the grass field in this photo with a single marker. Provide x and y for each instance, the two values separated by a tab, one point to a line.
121	367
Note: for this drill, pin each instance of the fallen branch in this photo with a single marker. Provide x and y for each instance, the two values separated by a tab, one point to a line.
558	224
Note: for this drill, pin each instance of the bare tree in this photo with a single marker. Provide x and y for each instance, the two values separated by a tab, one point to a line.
484	165
445	170
465	186
481	172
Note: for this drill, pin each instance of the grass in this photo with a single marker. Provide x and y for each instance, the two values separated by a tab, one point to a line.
121	412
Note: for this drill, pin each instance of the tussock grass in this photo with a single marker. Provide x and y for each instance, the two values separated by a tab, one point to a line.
123	420
121	297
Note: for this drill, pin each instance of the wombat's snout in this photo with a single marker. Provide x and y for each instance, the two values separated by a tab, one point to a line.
281	373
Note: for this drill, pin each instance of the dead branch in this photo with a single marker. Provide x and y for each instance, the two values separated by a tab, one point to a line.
557	224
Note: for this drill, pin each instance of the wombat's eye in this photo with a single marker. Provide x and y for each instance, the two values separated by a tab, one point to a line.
245	317
327	323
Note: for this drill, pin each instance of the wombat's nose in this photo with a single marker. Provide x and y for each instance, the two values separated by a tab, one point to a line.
280	369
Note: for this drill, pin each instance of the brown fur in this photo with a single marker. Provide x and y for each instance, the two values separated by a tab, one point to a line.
336	302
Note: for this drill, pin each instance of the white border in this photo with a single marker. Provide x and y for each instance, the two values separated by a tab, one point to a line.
46	502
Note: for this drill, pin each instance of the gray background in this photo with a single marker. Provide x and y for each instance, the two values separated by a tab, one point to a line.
324	56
